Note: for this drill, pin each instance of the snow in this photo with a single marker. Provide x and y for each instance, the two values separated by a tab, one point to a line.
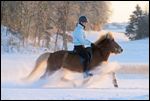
13	43
131	67
137	50
79	94
119	27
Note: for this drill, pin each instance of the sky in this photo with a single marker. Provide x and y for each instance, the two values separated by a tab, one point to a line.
121	10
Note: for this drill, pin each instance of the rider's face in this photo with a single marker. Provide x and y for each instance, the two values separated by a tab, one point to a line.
84	23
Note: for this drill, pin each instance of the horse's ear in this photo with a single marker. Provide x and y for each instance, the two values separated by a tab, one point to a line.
109	35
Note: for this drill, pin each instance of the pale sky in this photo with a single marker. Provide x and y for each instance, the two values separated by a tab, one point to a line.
121	10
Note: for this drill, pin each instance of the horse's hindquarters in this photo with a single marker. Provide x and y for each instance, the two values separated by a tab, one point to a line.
72	63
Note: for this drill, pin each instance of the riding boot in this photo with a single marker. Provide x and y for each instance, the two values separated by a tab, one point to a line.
86	72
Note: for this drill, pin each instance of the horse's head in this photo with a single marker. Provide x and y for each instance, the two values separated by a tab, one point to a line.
107	42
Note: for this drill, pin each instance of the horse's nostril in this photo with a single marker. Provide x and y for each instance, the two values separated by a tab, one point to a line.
121	50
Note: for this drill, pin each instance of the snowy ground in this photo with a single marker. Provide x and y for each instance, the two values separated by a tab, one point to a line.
133	79
71	94
132	74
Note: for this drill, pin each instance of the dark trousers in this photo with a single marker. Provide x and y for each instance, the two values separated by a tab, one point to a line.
85	56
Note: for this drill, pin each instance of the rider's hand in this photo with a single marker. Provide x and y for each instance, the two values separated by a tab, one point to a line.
93	45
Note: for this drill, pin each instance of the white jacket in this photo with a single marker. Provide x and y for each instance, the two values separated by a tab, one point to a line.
79	37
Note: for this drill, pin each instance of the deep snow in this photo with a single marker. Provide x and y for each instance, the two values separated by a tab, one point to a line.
132	84
131	67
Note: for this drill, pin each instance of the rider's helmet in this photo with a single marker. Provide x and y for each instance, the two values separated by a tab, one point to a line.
83	19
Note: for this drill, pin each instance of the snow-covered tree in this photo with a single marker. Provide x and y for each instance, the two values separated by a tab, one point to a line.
139	24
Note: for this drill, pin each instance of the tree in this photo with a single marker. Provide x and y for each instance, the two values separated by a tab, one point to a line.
143	27
139	24
33	18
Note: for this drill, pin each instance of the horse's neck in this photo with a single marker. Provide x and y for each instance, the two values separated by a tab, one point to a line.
105	55
102	55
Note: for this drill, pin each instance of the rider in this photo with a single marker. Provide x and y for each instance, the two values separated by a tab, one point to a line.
81	43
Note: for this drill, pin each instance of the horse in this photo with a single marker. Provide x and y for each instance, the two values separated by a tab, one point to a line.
49	63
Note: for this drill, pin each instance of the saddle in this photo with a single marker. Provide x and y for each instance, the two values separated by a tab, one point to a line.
73	52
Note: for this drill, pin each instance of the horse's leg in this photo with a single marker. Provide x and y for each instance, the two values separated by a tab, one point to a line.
68	81
114	80
54	78
52	66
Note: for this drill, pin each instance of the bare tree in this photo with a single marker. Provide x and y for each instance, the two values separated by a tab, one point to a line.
32	18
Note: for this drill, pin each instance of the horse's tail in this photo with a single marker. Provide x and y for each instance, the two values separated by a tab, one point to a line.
39	69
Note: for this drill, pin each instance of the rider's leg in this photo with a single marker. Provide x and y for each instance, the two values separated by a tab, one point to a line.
85	59
86	71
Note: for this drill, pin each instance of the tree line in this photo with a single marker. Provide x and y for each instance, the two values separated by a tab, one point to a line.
35	20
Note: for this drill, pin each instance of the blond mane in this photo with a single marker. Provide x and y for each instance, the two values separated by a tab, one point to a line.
109	35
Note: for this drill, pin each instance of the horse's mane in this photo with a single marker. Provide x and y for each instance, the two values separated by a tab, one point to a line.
105	36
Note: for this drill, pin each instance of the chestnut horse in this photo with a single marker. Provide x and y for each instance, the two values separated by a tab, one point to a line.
65	59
